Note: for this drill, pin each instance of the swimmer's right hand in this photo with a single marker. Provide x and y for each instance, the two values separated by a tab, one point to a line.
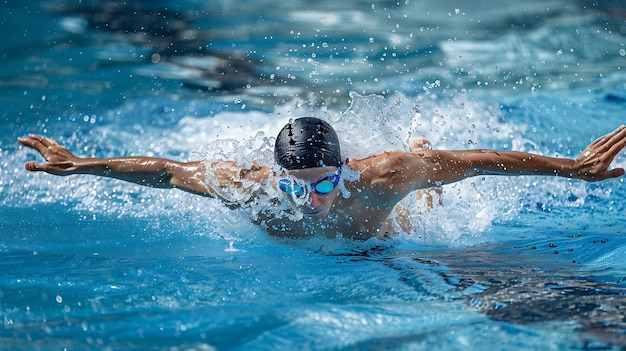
59	160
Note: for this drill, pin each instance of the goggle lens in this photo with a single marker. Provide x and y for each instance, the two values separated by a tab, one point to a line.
291	188
324	187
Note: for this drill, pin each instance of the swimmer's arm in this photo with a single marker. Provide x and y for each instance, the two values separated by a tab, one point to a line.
441	167
147	171
393	175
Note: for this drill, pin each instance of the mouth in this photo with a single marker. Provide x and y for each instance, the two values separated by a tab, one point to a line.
314	214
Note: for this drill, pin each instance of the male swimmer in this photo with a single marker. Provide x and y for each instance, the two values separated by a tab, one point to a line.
312	172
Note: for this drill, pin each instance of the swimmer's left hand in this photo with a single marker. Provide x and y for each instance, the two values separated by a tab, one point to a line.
593	163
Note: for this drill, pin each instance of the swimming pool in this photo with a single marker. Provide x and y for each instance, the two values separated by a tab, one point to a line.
504	264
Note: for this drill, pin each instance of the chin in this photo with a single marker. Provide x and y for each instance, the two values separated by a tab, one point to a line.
315	215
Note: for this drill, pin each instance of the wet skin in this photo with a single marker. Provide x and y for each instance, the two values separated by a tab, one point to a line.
318	205
384	179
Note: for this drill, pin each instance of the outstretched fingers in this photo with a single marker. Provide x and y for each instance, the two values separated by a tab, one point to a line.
611	140
58	159
613	144
610	145
617	141
614	173
29	141
33	166
36	142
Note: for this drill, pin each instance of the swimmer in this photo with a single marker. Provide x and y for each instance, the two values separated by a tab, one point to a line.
308	152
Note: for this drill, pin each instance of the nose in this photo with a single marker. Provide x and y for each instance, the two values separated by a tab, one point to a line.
314	200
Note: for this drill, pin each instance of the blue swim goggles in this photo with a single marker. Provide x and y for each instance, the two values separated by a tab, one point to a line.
323	186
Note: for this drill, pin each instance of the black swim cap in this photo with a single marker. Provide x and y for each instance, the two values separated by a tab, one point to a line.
307	142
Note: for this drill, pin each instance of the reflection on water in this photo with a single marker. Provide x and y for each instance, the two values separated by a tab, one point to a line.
323	49
150	32
507	285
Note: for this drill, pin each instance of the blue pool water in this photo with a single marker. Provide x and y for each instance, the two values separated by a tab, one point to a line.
503	264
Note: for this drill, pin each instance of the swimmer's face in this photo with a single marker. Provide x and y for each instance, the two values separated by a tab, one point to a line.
318	205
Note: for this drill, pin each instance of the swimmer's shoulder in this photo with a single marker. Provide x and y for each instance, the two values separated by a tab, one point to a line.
381	163
389	176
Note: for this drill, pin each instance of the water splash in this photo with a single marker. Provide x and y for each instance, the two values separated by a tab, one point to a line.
371	124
